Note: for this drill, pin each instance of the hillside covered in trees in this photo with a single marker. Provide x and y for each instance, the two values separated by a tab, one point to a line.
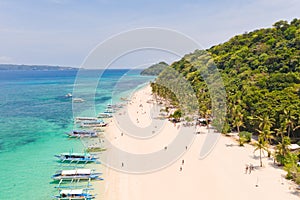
155	69
260	71
261	74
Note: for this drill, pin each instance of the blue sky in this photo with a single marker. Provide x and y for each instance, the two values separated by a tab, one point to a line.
63	32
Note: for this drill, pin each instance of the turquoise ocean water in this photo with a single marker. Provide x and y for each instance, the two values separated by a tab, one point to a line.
34	114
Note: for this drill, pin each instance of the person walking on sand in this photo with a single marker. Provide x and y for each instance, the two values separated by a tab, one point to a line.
180	169
182	162
250	168
246	170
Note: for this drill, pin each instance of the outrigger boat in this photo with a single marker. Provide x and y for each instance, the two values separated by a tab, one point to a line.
109	106
78	100
96	123
80	119
104	115
78	194
82	133
76	157
109	110
77	174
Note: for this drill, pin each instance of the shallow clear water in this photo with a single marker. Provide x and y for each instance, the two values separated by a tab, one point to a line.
34	114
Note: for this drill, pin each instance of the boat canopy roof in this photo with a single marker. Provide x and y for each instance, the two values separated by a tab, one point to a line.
79	191
75	154
105	113
86	118
77	171
92	122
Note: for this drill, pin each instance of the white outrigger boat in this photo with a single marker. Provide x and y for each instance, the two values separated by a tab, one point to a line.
82	133
78	194
105	115
77	174
110	110
96	123
78	100
76	157
80	119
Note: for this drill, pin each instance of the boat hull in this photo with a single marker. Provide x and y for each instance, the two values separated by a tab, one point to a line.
75	198
79	135
75	177
63	159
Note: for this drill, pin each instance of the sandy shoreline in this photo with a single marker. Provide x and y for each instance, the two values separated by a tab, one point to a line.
221	175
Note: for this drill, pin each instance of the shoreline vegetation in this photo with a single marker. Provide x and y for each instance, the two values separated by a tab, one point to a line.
261	74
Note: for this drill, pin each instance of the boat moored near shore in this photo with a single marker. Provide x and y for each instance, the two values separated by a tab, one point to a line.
78	174
80	119
104	115
82	133
78	194
76	157
96	123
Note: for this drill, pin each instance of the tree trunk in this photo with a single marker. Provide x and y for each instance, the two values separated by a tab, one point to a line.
260	158
238	130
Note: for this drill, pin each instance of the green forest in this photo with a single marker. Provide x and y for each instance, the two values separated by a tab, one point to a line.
260	71
155	69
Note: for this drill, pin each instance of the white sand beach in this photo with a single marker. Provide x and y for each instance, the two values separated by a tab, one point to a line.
220	176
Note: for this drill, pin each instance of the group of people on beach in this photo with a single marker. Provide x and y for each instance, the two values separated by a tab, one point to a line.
249	168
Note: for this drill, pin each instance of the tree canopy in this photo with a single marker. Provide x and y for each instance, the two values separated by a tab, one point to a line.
261	74
155	69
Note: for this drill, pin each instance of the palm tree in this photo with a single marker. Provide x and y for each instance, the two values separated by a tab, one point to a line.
261	145
266	134
207	116
238	122
264	130
282	148
266	123
237	118
289	121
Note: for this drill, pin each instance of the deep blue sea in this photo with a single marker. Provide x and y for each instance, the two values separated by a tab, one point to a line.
34	114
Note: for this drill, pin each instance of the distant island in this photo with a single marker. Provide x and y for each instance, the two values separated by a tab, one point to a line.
155	69
33	67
